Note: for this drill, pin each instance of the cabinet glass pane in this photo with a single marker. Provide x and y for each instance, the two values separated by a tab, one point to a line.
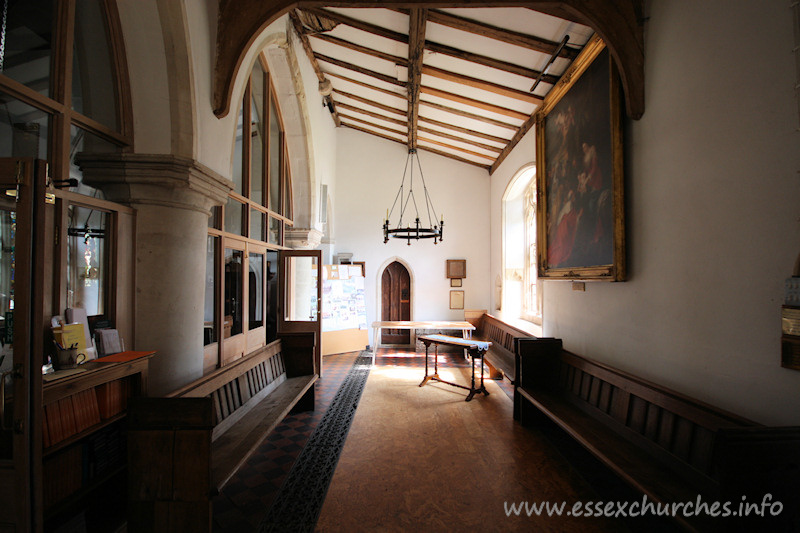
238	154
257	224
28	44
272	295
84	145
275	143
210	334
23	130
233	217
256	290
257	135
8	226
275	231
87	264
92	79
213	219
301	289
232	320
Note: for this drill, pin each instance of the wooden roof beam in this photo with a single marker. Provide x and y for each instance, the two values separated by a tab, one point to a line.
465	131
445	135
619	23
373	103
482	85
530	42
373	132
367	85
456	148
416	45
467	114
360	25
373	114
491	62
475	103
397	60
361	70
374	125
454	157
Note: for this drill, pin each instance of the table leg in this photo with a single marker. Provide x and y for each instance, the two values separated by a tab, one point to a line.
427	377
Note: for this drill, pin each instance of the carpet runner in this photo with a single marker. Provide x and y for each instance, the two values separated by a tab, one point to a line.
297	506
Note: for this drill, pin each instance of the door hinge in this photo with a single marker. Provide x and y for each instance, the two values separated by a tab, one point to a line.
49	198
19	371
19	426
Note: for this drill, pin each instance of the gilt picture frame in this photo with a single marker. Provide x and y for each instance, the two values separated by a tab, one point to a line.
579	165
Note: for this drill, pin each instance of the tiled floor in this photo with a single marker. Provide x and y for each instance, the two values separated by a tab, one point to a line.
244	501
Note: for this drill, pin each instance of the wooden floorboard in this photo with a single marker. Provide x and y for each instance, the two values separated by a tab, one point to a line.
423	459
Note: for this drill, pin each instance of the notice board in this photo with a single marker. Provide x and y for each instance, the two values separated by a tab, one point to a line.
344	309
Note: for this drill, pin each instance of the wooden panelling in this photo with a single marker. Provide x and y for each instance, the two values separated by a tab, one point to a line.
652	420
666	445
636	414
185	456
666	430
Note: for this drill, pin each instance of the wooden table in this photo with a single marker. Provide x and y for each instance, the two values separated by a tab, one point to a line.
475	349
465	327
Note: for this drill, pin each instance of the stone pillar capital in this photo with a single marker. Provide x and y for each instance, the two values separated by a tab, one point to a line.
302	238
155	179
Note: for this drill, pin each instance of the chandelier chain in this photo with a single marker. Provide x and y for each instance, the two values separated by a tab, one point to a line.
3	35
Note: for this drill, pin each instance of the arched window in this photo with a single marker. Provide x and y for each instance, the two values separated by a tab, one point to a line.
521	295
245	234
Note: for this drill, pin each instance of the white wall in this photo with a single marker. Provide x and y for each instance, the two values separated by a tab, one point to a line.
712	221
523	155
369	171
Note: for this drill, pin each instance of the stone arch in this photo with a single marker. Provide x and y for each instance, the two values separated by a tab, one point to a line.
292	104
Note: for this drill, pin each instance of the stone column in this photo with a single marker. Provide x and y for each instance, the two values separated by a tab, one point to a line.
173	197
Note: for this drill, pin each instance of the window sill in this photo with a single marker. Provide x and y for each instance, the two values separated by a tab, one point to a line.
525	325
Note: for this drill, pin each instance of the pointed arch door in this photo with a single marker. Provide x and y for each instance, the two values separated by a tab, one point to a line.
395	302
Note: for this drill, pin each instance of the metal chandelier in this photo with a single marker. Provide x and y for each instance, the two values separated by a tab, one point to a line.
404	200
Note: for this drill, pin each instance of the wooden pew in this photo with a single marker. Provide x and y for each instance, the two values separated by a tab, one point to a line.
668	446
500	356
185	447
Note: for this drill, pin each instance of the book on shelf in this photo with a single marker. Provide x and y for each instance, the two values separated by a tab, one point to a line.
109	398
62	475
53	417
67	416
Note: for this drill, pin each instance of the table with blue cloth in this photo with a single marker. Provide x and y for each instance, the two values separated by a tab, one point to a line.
475	350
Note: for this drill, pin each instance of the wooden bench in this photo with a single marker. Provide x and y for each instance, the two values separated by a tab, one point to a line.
185	447
500	357
666	445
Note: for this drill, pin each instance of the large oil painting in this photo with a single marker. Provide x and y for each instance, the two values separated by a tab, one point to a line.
579	164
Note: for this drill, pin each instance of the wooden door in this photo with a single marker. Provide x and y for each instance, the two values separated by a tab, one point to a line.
300	297
395	302
21	300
